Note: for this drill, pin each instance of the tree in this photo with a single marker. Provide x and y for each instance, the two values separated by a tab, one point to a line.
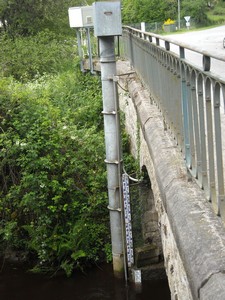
148	11
196	9
25	17
52	173
144	11
171	9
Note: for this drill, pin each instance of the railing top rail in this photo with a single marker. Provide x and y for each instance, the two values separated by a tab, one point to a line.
179	44
191	100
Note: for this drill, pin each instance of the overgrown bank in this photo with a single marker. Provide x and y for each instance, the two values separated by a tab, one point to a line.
53	199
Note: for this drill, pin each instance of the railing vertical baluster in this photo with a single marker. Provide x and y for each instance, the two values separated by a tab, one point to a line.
202	173
223	97
197	160
174	91
162	85
190	122
189	100
210	146
168	95
185	116
180	137
218	150
182	52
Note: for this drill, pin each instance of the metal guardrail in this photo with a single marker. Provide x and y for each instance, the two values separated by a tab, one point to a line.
190	99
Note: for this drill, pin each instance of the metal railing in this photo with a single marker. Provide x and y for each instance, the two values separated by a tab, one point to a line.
158	27
88	47
190	98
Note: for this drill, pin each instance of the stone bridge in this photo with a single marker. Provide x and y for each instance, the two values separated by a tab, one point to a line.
192	235
173	117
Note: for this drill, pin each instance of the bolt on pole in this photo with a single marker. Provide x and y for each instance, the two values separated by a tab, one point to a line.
107	24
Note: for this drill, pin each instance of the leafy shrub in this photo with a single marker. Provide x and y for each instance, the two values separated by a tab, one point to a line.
53	196
197	10
53	180
27	57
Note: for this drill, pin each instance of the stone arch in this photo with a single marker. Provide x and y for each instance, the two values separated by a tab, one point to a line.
150	230
149	255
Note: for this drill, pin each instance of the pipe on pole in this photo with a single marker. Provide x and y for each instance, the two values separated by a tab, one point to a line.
113	152
80	49
89	50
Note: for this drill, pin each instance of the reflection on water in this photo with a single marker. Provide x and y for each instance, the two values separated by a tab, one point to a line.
96	284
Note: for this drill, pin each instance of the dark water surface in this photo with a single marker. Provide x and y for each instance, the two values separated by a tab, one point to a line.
96	284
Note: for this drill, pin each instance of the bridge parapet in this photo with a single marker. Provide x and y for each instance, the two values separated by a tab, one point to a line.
193	236
179	109
191	99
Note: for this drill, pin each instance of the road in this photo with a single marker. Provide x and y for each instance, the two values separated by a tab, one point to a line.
209	40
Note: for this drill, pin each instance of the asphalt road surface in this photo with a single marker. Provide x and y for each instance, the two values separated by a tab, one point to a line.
208	40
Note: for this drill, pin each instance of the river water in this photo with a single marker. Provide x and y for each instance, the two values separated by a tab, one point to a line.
96	284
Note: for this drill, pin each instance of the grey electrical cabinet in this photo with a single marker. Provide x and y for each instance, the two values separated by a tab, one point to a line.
107	18
81	16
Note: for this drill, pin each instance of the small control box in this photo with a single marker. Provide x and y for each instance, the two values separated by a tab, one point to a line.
81	16
107	18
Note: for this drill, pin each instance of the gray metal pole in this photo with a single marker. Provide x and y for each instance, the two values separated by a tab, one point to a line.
89	50
178	14
80	49
113	153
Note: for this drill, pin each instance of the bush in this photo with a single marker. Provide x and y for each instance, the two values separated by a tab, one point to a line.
197	10
27	57
53	195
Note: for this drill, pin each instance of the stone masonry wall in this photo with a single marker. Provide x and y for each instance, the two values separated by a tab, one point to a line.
175	272
150	228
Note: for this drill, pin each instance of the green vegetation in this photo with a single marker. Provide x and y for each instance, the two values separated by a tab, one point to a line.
148	10
202	12
217	13
53	182
28	17
53	196
53	199
26	58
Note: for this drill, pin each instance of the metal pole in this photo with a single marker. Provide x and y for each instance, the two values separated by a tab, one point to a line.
113	156
118	44
89	50
80	49
178	14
